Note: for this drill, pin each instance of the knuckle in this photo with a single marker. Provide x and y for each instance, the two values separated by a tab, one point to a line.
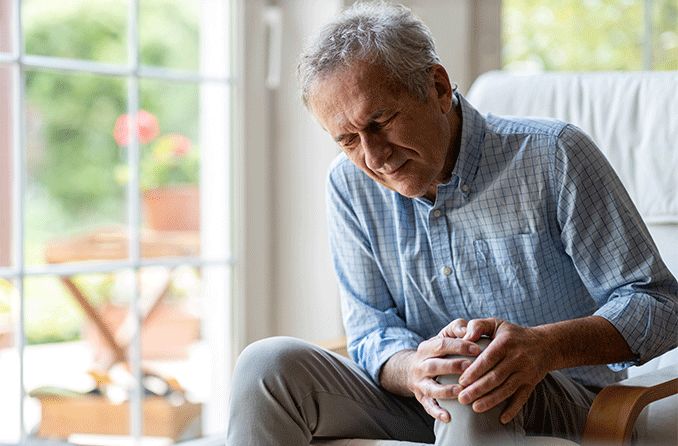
493	377
424	345
444	394
439	346
428	368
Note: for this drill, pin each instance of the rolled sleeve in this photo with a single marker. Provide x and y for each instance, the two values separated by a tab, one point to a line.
374	350
613	251
648	324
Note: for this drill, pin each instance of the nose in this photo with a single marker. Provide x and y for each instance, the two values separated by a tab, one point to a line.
376	149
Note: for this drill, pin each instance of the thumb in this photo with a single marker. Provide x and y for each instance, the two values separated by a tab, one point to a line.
479	327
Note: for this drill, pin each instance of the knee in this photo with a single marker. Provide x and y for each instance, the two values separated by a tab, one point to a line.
269	359
469	427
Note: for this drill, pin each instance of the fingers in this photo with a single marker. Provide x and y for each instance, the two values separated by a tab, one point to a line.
519	399
432	408
446	346
490	357
477	328
455	329
486	384
497	396
444	366
433	389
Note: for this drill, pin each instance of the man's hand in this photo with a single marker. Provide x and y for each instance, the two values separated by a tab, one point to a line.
414	372
514	362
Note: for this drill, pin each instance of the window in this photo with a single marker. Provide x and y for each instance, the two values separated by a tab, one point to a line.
590	35
115	219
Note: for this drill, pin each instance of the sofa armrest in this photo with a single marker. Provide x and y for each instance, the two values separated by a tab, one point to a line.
616	408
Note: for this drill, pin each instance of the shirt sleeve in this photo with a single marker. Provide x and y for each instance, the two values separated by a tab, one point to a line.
612	249
374	329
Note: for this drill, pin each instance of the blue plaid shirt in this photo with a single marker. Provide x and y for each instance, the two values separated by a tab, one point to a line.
533	227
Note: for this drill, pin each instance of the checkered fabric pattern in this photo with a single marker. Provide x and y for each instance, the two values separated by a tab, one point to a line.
533	227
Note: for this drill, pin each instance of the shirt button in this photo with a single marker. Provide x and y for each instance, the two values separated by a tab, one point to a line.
446	270
465	188
437	213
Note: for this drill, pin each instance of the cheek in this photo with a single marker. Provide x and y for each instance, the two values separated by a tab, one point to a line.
357	158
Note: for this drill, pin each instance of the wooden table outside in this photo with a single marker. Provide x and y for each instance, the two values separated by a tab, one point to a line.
111	243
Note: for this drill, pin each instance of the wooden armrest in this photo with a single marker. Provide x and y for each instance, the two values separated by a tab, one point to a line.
616	408
337	345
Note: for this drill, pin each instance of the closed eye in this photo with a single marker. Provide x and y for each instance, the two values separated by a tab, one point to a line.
347	141
375	126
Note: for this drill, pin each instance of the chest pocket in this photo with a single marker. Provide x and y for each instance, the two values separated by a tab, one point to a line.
514	271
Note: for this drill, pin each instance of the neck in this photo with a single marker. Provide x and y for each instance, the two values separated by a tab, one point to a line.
454	118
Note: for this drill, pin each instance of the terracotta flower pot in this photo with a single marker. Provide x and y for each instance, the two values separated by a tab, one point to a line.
172	208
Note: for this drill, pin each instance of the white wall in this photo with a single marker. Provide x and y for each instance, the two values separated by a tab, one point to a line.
305	299
252	183
295	293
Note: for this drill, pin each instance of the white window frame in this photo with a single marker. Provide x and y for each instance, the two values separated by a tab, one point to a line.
221	230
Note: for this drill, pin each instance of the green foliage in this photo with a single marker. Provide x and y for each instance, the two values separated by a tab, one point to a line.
590	35
177	171
70	116
70	151
665	47
51	315
76	29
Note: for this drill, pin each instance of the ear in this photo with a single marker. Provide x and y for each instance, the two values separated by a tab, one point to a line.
443	87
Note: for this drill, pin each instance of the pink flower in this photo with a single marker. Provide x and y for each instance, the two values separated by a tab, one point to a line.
147	128
171	146
181	145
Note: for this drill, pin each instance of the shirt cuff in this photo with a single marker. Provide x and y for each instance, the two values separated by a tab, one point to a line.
627	316
378	347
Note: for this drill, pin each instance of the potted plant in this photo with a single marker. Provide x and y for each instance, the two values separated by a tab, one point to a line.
169	174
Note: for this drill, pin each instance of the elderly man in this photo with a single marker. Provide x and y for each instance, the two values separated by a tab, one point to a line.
449	231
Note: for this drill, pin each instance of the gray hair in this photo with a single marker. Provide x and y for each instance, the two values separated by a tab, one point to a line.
376	32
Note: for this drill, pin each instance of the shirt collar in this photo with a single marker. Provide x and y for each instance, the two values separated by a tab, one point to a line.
468	159
472	136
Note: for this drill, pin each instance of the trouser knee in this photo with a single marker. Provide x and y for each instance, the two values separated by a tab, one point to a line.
468	427
269	365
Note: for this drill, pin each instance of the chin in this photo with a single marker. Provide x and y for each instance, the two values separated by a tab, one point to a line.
410	190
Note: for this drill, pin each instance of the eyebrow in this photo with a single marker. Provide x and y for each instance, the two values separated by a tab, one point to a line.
370	120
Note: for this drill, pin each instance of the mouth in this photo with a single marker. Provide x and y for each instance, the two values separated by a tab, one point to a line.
394	172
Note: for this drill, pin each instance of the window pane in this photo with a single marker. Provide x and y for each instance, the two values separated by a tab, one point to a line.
572	35
665	33
183	342
64	363
170	168
70	362
168	33
6	162
80	29
75	195
6	25
9	364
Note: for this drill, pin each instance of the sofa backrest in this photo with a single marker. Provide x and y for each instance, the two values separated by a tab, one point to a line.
632	117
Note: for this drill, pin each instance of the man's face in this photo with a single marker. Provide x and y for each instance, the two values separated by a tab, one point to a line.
400	141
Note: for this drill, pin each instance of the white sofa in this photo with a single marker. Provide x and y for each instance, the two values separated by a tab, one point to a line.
633	117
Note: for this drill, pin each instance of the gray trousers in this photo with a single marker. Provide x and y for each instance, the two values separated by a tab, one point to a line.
286	392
